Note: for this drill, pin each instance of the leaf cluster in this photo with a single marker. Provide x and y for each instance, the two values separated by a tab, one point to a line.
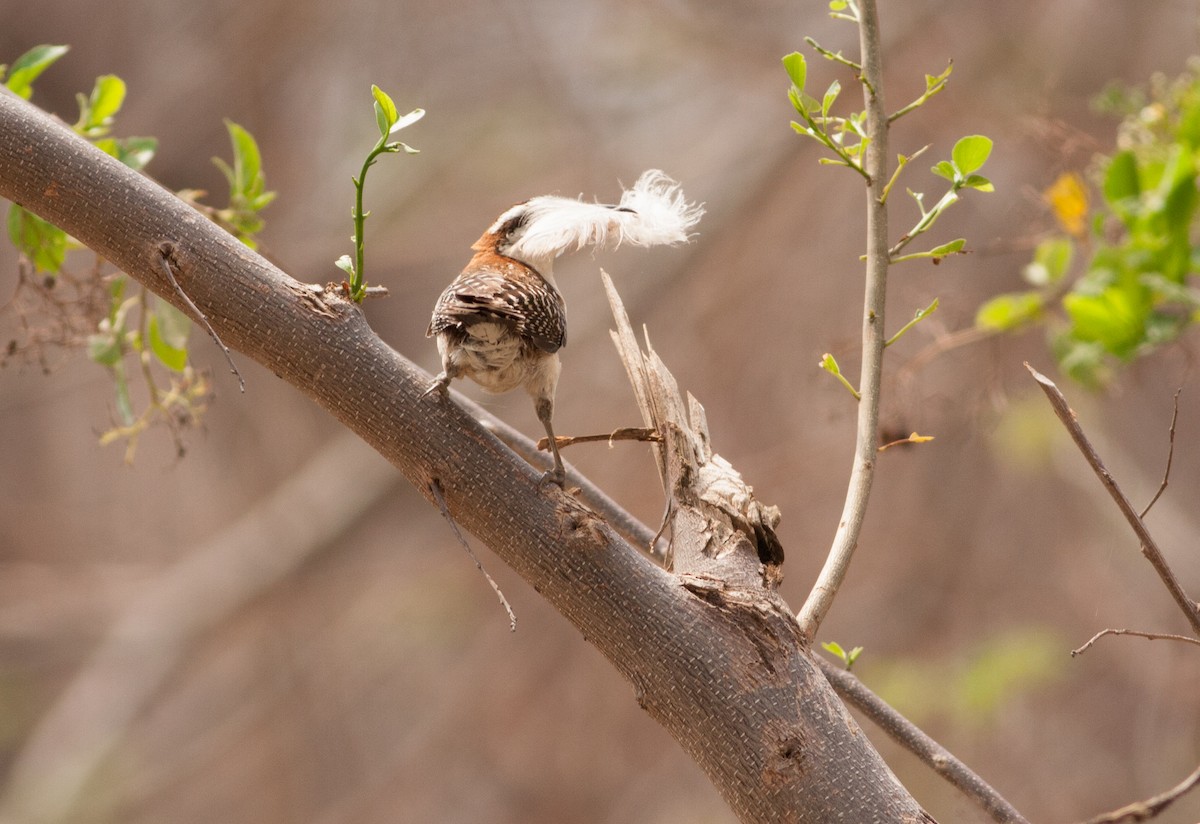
846	141
149	334
1135	290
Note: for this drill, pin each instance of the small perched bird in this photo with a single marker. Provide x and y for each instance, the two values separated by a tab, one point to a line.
502	321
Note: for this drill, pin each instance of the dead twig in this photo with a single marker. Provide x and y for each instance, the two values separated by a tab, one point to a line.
435	487
1153	636
166	256
1149	548
1170	456
625	433
1148	809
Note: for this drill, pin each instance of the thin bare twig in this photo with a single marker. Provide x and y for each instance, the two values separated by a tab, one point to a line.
912	738
862	471
1153	636
166	253
435	487
1149	548
625	433
1170	457
1148	809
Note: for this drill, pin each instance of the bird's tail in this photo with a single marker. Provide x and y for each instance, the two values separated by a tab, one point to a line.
653	212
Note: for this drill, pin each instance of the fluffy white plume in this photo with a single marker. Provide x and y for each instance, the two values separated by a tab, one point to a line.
652	213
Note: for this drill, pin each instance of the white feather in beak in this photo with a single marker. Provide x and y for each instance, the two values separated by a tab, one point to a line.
653	212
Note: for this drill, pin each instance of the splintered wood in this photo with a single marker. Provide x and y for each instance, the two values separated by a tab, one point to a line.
718	529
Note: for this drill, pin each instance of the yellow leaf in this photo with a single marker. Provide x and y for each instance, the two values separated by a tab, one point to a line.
1068	198
913	438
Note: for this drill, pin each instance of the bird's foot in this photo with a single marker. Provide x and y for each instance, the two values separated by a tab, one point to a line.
441	385
556	476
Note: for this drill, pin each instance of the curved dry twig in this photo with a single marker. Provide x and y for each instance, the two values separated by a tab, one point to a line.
1150	548
1152	636
1148	809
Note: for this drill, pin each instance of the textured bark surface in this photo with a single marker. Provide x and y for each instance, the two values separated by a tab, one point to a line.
724	670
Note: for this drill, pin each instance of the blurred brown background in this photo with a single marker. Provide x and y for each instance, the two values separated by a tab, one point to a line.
277	629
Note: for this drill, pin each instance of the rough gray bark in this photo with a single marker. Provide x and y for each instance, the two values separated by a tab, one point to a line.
723	668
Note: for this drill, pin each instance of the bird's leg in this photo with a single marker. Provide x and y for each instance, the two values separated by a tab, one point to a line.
545	411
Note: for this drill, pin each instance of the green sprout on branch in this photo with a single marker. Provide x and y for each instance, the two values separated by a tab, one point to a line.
830	365
248	193
838	651
389	122
967	157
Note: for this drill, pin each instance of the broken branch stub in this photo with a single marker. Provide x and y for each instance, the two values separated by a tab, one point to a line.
719	530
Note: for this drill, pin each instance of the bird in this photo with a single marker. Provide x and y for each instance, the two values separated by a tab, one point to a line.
502	321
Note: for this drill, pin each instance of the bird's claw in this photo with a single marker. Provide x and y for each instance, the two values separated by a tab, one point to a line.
556	476
440	385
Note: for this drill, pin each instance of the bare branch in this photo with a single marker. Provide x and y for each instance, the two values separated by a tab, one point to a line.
1153	636
1148	809
862	471
912	738
1170	457
624	433
166	249
1149	548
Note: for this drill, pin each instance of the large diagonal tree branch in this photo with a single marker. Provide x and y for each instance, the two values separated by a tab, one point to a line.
729	676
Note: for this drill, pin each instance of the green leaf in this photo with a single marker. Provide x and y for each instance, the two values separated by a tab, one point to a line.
172	357
1115	318
834	648
831	94
39	240
945	168
26	68
247	178
978	182
1005	313
797	69
830	365
174	325
107	97
385	110
837	5
1121	178
970	153
345	264
951	248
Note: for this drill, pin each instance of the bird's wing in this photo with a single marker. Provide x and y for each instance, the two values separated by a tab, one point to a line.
524	305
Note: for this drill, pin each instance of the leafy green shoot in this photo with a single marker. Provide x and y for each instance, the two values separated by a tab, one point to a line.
830	365
248	194
26	68
389	121
846	657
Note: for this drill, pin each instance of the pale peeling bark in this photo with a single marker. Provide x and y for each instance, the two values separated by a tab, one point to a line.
718	660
